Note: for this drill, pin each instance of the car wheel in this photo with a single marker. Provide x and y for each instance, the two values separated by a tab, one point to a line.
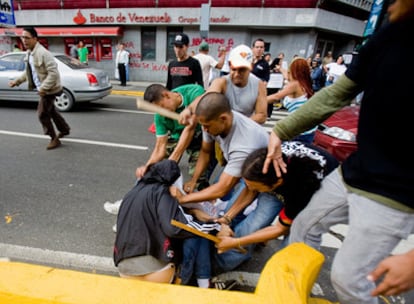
65	102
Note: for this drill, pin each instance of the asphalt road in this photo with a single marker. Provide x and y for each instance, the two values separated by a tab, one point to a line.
52	201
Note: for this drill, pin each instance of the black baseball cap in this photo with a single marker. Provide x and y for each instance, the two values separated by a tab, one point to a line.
181	39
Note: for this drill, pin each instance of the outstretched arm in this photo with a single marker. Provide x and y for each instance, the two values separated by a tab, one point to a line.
185	139
260	110
157	154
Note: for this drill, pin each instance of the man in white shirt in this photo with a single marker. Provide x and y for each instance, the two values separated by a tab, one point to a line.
121	62
208	63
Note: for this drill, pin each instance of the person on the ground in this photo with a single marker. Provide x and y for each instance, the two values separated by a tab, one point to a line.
208	62
184	69
172	138
296	93
307	166
43	75
372	190
83	52
121	63
147	247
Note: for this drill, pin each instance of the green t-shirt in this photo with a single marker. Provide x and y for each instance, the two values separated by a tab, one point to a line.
170	127
83	54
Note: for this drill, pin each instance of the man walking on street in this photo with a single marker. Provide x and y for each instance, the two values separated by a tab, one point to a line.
42	73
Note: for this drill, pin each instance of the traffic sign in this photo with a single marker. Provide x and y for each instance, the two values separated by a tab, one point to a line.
6	14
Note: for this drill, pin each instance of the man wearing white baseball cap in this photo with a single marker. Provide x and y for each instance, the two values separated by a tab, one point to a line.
246	92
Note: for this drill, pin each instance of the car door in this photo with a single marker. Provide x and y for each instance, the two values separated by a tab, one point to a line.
12	66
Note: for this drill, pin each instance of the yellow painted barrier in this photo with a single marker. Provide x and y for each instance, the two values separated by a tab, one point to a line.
287	278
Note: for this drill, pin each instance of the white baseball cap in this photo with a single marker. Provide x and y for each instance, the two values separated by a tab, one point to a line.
241	56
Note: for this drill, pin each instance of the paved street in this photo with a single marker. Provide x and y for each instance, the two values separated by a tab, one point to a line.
54	198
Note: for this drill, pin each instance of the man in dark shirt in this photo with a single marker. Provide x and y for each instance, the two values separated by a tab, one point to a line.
260	65
185	69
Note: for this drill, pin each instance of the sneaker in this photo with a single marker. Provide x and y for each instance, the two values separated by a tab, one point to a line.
114	228
54	143
112	208
222	285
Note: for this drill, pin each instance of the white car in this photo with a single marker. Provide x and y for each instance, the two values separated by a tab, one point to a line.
80	82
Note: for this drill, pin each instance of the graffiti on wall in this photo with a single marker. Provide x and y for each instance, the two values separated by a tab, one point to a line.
136	56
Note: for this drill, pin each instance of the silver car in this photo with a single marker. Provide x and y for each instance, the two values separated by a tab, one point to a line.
80	82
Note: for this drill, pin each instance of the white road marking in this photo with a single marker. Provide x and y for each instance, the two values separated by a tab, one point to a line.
77	140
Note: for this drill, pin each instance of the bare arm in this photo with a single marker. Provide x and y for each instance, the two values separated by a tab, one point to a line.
221	59
262	235
185	139
288	89
202	163
157	154
245	198
217	190
260	112
218	85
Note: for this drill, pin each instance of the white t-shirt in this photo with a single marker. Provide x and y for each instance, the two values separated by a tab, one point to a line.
207	63
335	70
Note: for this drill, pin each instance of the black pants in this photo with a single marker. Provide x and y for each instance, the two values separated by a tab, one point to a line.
270	105
47	114
122	73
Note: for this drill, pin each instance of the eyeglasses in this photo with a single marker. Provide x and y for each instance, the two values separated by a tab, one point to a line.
26	37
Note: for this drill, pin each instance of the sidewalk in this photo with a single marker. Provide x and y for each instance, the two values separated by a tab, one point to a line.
133	88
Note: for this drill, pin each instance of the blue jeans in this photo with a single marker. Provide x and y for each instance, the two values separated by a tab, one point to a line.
196	259
268	207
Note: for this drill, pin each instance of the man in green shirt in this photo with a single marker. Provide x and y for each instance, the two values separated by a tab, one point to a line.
173	138
83	52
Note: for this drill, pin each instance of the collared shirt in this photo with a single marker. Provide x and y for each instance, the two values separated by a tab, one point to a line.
35	77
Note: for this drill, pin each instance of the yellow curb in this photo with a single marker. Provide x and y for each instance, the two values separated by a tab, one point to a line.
287	277
127	93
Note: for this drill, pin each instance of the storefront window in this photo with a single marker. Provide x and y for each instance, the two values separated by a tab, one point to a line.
171	32
148	43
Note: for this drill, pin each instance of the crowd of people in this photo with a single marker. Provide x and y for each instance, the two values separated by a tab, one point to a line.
283	176
271	185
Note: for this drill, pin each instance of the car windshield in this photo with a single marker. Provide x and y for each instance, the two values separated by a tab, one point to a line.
71	62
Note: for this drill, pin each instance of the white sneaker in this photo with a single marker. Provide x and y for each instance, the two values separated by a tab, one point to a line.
114	228
112	208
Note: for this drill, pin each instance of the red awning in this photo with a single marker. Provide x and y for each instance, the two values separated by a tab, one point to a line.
67	31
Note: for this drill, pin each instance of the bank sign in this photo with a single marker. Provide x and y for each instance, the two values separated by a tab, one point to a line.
6	14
